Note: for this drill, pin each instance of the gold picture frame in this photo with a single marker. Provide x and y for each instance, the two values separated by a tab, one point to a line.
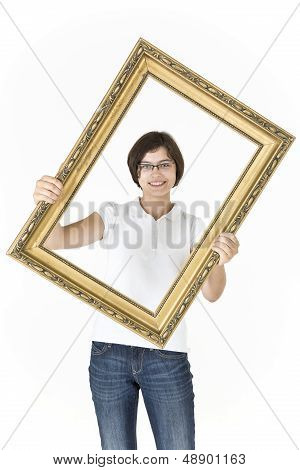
272	141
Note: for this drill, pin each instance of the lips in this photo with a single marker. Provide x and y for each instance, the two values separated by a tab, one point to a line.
156	183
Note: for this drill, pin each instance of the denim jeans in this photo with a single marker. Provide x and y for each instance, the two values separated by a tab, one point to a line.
117	372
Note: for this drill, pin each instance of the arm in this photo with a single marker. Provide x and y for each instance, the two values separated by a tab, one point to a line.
227	245
214	285
81	233
74	235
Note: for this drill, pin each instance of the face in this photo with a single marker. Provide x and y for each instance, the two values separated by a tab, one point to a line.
167	176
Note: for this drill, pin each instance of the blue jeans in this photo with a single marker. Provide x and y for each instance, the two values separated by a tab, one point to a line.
117	372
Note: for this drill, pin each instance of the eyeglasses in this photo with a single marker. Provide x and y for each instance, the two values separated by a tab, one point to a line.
147	167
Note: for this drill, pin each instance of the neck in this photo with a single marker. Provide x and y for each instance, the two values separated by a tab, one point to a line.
155	205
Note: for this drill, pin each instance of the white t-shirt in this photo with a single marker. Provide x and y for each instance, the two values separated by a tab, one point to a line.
144	258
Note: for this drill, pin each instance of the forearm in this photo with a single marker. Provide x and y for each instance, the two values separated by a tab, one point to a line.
214	285
54	240
75	235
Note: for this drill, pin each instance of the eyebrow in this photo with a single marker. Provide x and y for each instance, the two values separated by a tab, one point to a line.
152	163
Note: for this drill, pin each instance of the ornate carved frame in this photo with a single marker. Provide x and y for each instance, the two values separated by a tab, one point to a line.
272	141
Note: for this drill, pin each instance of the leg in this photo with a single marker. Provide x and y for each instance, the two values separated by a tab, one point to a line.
167	388
115	395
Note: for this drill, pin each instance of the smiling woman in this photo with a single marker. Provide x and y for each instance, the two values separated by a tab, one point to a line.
152	149
157	236
158	233
156	166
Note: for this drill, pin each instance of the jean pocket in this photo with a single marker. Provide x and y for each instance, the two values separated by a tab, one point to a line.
170	354
99	347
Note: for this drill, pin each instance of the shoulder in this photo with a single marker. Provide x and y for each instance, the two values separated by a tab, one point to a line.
108	204
191	219
108	209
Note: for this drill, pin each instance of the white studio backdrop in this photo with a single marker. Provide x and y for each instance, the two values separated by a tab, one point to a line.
206	183
57	61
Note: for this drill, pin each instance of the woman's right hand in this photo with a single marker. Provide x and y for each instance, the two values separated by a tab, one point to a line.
47	189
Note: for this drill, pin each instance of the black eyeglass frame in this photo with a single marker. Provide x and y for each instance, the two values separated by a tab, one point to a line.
143	165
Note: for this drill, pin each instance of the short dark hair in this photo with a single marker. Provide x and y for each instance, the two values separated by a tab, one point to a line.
150	142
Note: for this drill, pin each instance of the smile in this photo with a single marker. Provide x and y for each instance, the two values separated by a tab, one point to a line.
160	183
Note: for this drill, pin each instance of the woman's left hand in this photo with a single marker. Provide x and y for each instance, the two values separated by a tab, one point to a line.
227	245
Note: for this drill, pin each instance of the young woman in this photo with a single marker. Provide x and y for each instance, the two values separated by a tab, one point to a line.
148	240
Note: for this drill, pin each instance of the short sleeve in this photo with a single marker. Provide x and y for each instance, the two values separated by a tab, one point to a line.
197	230
109	214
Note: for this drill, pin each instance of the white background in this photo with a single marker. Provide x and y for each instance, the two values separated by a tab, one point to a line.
208	179
244	347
